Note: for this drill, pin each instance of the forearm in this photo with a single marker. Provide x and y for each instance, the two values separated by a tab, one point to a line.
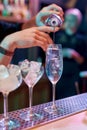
30	23
9	46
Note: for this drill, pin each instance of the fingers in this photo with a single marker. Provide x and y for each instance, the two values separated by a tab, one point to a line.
55	9
38	19
40	44
44	37
47	29
35	36
54	6
41	38
47	13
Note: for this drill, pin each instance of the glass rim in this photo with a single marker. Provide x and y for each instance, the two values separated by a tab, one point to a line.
50	45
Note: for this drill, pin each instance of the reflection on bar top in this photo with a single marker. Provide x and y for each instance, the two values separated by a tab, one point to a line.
75	122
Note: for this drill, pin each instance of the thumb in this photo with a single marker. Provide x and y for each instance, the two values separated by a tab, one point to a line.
48	29
38	20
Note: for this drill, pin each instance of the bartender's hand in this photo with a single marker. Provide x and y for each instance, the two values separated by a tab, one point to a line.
31	37
46	11
38	20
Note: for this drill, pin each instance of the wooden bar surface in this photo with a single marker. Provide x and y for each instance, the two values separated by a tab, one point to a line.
75	122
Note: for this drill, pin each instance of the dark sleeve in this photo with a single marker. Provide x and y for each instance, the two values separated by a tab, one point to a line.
82	47
7	28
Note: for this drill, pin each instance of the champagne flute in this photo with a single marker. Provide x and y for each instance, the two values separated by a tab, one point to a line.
54	68
10	79
31	73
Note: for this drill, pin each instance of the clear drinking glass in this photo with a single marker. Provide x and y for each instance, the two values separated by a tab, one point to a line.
10	79
54	68
31	73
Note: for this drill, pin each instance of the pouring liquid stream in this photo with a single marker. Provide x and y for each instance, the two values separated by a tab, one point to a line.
54	36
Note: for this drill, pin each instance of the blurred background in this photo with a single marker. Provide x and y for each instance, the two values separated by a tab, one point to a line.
19	11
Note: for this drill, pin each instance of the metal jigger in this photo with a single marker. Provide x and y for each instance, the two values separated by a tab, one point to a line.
54	21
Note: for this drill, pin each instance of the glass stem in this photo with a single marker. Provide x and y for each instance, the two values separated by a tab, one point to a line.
54	86
5	106
30	99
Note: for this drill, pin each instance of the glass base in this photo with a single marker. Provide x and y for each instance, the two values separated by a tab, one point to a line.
28	116
9	124
52	110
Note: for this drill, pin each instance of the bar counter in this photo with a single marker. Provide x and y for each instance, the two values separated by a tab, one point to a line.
72	117
75	122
